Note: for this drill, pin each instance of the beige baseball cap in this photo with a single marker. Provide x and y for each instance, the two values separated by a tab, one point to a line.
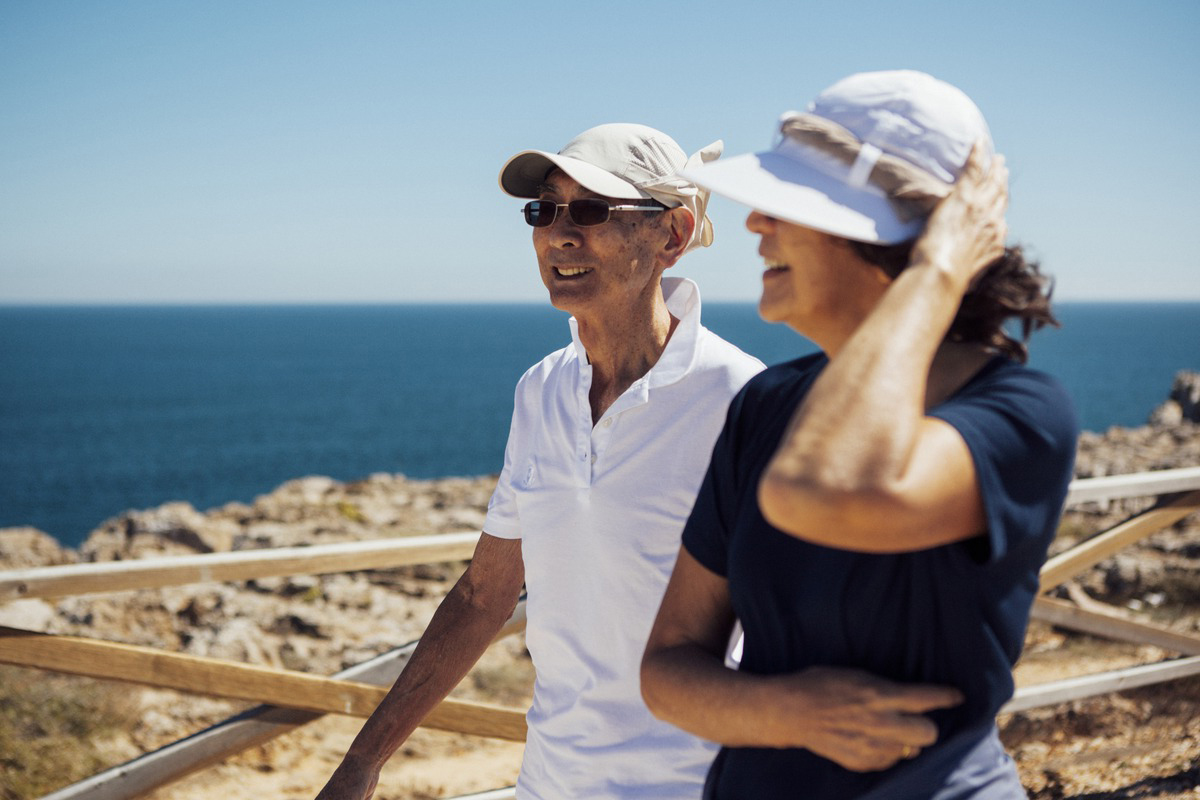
625	161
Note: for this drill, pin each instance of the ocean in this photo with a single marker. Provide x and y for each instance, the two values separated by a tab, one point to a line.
104	409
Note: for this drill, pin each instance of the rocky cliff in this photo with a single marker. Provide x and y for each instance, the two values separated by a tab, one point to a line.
322	624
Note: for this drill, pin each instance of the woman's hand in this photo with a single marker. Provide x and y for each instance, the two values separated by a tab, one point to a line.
857	720
966	231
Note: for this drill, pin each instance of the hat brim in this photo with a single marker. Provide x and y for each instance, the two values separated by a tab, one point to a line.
525	173
792	190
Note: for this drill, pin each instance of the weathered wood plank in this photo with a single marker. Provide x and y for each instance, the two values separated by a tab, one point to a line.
509	793
1099	547
1054	692
240	732
151	573
1111	626
1136	484
287	689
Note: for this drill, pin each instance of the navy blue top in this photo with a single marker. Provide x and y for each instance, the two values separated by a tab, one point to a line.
954	614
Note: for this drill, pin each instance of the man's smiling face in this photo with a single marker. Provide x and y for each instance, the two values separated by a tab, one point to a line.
597	270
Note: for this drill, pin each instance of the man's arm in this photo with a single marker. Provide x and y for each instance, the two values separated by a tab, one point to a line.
461	629
848	716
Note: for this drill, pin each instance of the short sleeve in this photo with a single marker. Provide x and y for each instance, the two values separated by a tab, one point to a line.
502	520
1021	429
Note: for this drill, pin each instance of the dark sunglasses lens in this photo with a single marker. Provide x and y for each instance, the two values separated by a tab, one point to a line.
539	213
591	211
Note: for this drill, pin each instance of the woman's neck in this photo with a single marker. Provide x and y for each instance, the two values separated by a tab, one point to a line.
954	365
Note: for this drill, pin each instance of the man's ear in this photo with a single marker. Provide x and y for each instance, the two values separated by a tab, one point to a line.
679	225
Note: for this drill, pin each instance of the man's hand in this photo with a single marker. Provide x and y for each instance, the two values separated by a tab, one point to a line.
350	781
466	621
966	231
857	720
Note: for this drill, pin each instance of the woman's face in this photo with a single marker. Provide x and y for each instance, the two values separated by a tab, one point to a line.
804	271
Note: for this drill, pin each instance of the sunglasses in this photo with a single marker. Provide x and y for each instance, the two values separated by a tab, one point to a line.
589	211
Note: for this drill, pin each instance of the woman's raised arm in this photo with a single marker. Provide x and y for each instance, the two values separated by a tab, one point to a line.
862	466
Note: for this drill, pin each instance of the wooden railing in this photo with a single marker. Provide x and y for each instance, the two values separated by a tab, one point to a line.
291	699
243	565
1178	493
263	723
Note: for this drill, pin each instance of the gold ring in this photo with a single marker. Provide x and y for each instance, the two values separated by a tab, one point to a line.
908	752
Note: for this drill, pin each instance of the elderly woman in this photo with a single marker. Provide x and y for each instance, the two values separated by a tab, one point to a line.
879	509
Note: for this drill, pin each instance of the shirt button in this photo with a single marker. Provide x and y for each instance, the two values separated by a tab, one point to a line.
608	422
593	458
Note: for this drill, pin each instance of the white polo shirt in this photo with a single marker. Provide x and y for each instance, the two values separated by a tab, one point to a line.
599	511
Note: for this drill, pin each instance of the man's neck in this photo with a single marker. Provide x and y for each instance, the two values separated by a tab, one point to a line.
623	351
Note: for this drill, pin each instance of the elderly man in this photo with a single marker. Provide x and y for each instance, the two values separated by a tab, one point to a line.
609	443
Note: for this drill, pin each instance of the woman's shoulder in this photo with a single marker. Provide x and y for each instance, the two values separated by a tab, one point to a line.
778	387
1005	377
1019	392
787	375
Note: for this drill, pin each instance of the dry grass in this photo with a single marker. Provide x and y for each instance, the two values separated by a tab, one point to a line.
50	727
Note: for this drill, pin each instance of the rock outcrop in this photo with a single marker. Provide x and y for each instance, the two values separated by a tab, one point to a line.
1183	404
318	623
323	623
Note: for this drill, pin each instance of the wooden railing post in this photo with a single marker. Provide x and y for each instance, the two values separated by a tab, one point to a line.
240	732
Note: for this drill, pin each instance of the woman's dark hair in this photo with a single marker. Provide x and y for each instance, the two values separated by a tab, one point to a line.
1009	288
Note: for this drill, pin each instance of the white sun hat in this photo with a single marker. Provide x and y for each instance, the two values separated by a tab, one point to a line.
834	167
625	161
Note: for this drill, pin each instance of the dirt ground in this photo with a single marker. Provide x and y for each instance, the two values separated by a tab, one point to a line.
1137	744
1143	743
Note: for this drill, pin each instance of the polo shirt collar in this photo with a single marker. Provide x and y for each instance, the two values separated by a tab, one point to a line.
683	301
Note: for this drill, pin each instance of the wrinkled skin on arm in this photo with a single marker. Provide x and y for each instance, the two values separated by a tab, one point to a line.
862	466
465	623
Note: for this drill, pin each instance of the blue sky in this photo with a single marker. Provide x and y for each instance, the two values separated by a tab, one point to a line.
310	152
